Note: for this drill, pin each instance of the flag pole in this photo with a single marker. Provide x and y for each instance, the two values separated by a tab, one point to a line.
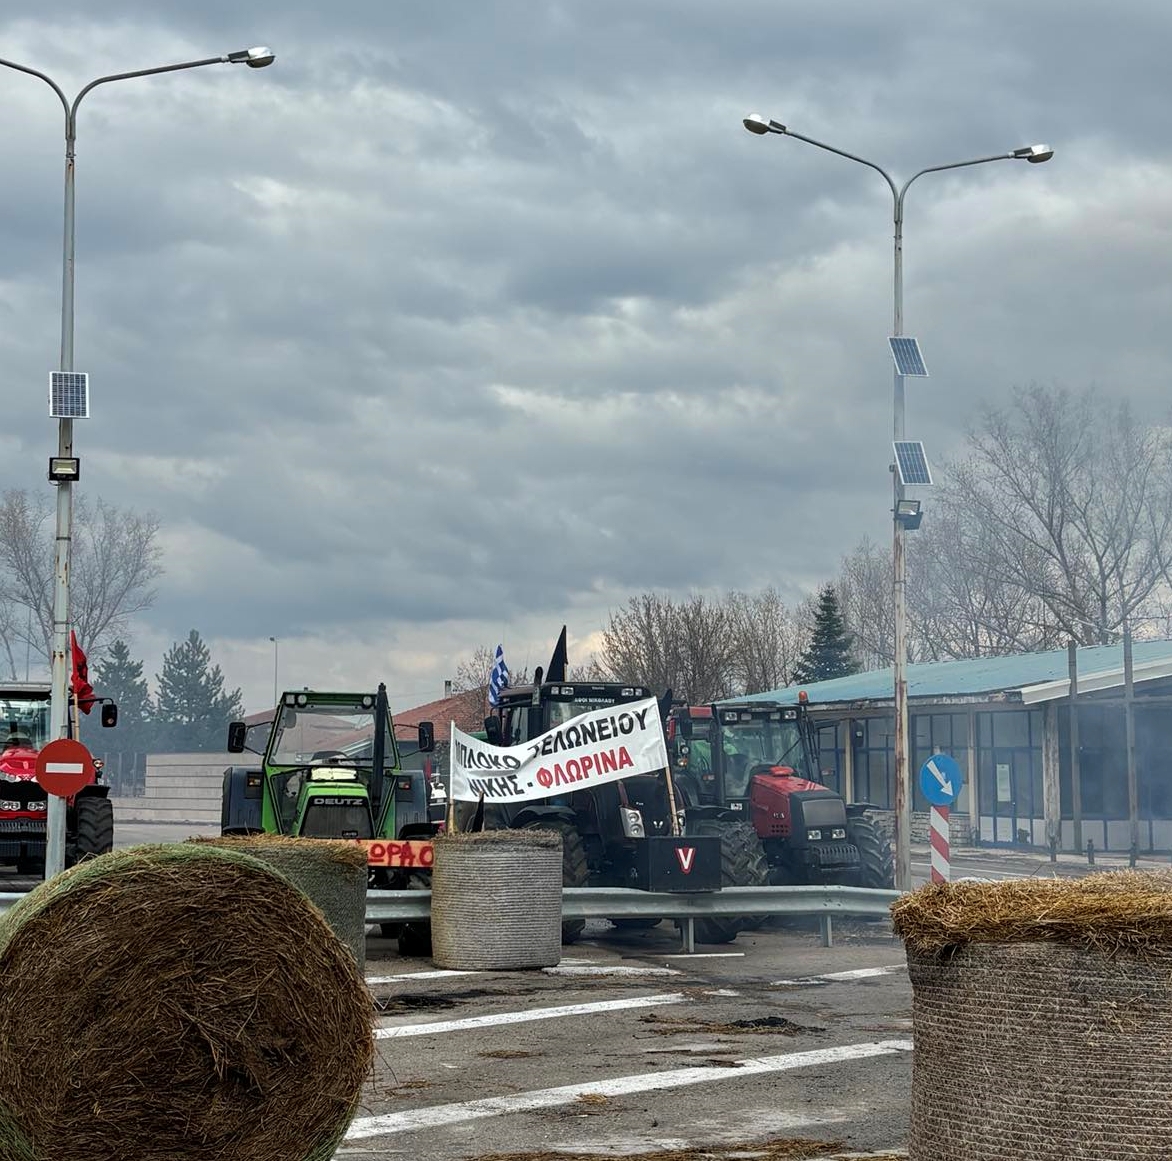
450	820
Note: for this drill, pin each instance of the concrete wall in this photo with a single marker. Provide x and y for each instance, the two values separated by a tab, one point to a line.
181	788
959	826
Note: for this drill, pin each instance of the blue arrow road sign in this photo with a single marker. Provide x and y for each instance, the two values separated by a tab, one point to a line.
941	780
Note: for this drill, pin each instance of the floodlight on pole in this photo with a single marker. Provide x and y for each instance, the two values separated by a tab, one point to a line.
66	386
902	516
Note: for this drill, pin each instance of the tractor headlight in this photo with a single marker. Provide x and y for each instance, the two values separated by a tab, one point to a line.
632	823
10	806
814	835
838	833
34	806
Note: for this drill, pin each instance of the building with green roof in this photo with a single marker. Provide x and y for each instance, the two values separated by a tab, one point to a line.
1007	721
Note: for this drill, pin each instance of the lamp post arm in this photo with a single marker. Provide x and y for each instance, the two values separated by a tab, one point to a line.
939	168
191	64
849	156
11	64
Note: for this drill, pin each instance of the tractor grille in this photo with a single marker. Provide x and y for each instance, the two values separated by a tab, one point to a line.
341	818
834	854
22	825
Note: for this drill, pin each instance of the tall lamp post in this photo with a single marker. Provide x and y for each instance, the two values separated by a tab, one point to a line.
902	519
63	468
276	690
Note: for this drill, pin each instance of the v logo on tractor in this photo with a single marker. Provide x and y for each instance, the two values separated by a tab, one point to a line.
686	857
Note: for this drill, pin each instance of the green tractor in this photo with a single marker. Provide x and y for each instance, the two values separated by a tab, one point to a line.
331	769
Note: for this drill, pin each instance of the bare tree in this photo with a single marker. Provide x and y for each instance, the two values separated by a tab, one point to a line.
865	598
769	637
958	606
1076	499
687	646
470	684
115	560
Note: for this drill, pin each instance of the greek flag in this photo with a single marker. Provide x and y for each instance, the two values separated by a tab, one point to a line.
499	681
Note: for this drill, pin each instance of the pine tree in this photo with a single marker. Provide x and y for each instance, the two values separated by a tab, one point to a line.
829	651
117	677
124	748
192	707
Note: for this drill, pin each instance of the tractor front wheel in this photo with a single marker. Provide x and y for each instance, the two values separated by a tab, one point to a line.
742	864
876	864
575	870
95	829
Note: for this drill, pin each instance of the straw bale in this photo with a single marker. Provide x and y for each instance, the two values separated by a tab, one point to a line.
1114	911
496	900
331	872
532	838
1042	1014
176	1001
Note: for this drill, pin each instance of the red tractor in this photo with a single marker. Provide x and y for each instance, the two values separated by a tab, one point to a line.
755	761
89	816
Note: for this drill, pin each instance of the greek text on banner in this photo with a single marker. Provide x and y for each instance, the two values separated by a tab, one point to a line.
594	748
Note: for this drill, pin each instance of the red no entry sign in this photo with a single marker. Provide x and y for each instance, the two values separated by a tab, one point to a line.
64	767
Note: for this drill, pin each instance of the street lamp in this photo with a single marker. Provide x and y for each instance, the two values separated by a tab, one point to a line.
257	57
904	516
276	688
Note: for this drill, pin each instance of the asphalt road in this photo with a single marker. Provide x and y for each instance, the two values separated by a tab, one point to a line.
629	1046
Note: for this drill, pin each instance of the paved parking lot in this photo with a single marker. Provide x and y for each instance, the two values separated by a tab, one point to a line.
629	1046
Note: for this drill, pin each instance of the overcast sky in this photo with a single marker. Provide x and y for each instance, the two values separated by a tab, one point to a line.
467	319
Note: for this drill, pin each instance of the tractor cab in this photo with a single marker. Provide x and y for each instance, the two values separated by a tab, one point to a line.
633	808
755	761
718	752
330	769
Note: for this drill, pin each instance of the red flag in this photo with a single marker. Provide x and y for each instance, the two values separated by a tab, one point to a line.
83	692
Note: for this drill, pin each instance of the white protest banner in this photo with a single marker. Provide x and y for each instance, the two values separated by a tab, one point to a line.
594	748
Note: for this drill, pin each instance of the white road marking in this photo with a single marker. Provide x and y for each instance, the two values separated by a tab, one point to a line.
982	872
443	973
706	955
581	970
431	975
842	977
441	1116
526	1016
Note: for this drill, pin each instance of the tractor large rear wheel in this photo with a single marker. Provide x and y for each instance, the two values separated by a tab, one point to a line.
95	828
876	863
575	870
742	864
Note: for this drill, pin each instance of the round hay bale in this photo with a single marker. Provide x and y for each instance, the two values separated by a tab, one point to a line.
176	1001
333	874
1043	1018
496	900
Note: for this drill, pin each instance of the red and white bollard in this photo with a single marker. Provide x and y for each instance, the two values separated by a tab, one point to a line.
938	840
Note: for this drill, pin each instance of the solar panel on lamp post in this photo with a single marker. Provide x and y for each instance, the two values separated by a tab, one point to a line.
68	384
757	124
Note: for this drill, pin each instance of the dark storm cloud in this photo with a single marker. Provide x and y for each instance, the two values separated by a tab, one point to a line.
462	316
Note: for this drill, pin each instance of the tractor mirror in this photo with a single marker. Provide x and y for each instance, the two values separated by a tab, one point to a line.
684	726
237	732
109	714
426	737
492	731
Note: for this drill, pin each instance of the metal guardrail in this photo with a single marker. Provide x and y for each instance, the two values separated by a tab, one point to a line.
625	903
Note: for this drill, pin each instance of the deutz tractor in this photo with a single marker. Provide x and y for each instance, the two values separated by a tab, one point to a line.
619	834
330	769
756	761
89	814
